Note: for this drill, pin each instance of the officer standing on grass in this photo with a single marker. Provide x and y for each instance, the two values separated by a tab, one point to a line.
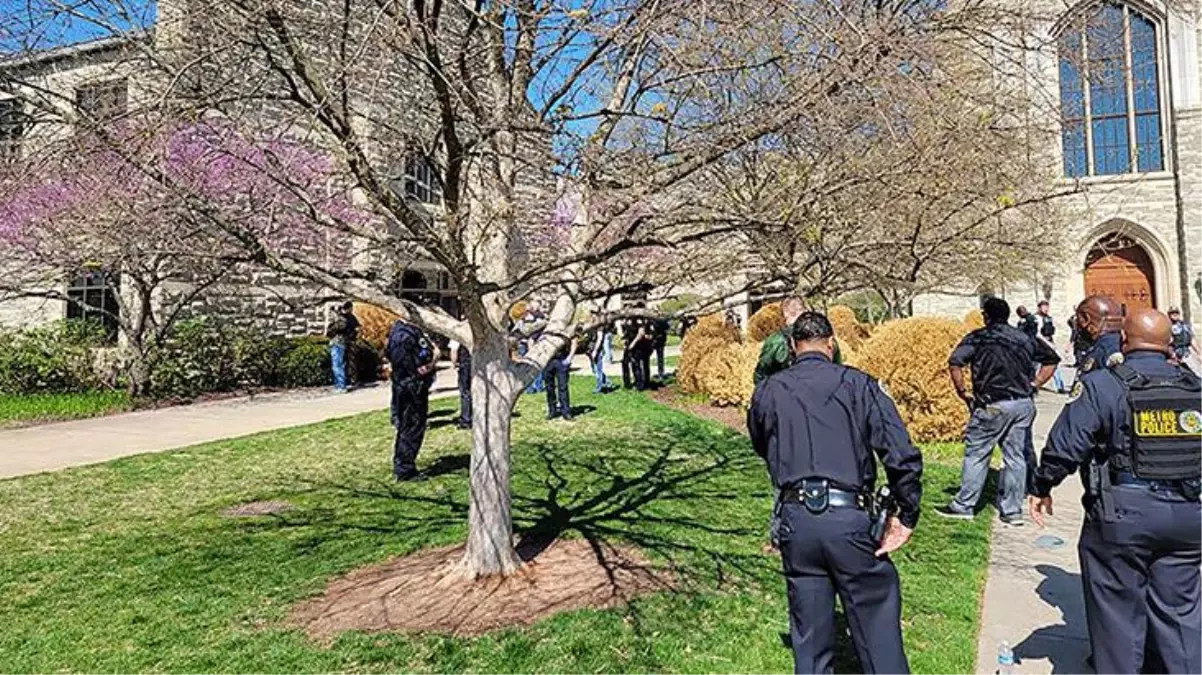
818	425
413	357
556	375
1136	429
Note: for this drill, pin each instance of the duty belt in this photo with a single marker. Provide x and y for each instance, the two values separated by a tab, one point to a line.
817	495
1125	478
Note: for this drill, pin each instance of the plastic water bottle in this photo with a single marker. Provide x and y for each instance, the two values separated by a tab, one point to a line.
1005	659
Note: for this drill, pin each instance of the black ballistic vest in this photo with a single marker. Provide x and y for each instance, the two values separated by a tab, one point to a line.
1165	426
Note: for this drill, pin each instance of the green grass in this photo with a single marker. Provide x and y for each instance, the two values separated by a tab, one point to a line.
128	566
20	409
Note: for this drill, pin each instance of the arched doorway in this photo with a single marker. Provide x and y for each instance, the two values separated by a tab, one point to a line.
1120	268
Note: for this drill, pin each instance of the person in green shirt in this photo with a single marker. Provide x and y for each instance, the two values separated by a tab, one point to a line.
776	354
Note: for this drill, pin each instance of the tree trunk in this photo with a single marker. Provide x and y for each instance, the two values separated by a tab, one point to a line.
138	372
495	387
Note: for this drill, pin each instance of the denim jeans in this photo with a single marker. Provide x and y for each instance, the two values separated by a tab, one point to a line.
599	372
607	348
338	364
1004	423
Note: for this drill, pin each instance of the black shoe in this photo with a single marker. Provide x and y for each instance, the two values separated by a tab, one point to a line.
567	417
1015	520
551	416
949	512
463	425
412	477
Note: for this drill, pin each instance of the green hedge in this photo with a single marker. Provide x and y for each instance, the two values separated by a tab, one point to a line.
57	358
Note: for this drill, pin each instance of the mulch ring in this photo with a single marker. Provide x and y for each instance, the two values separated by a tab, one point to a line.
734	418
259	508
421	592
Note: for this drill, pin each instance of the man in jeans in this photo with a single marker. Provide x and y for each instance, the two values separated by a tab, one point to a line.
342	331
1000	357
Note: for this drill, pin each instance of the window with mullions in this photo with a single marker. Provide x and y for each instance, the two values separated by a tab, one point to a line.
1110	94
92	296
422	181
102	101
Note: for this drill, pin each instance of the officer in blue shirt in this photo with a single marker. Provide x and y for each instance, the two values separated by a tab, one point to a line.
818	425
1136	430
1099	318
413	357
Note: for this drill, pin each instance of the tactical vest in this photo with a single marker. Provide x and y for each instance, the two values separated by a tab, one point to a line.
1165	428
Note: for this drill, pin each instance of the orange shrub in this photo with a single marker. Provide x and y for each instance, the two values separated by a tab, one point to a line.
850	332
973	320
725	373
711	333
910	357
374	323
765	322
518	310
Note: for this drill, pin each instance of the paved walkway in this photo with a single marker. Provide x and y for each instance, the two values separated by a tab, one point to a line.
50	447
1033	595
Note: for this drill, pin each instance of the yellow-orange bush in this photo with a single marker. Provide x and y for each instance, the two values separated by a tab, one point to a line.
849	331
725	373
518	310
973	320
374	323
765	322
709	335
910	357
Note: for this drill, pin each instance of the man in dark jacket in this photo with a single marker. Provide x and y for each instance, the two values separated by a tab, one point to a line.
413	357
342	330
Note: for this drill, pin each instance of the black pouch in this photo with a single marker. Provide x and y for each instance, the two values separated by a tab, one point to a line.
816	495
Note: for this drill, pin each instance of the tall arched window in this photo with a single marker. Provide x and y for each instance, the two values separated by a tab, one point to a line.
1110	94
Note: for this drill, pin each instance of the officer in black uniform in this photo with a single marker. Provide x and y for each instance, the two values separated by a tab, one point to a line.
463	374
1100	319
413	357
818	425
556	375
1136	430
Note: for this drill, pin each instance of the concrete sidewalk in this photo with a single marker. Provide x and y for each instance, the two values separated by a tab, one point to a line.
50	447
1033	597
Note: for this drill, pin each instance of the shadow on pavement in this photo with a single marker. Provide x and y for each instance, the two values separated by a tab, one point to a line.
1064	644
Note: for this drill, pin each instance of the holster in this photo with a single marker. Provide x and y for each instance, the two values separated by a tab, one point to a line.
815	494
1099	489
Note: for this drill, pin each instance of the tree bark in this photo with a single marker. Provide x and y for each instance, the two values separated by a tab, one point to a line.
490	549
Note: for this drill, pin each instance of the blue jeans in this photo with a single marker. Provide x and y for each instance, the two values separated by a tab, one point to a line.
338	364
599	372
1004	423
607	348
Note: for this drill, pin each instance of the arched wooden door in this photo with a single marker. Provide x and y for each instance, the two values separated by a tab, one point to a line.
1122	269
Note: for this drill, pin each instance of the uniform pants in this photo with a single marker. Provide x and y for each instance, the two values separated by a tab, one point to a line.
659	360
1005	423
410	408
1141	582
628	366
464	375
832	553
643	376
556	378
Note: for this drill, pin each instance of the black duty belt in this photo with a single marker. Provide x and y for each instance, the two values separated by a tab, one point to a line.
1125	478
817	495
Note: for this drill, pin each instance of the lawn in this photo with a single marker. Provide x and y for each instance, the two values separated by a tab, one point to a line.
22	409
131	566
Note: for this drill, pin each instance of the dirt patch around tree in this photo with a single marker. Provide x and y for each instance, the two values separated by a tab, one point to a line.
732	417
420	594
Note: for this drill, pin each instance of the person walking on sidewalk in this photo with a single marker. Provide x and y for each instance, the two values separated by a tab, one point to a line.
1002	408
1136	431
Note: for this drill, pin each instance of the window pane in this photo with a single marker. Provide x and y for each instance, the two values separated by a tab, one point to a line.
1111	151
1074	149
1147	141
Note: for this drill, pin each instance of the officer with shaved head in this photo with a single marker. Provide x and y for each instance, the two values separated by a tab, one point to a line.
1100	319
1137	430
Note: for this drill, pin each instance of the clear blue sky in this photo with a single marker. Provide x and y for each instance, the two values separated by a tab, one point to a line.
36	24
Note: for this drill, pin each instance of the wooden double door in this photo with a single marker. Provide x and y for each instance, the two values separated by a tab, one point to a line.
1121	269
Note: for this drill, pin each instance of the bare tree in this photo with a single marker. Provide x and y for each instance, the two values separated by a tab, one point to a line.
531	147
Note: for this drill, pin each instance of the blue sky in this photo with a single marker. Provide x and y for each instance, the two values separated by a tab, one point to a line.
38	24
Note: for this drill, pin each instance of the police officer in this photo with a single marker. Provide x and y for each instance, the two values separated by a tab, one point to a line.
1136	428
413	357
818	425
1183	335
659	342
1100	319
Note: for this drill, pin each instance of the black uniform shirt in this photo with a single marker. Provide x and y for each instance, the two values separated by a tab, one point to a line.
1000	357
408	349
1095	420
818	419
1099	355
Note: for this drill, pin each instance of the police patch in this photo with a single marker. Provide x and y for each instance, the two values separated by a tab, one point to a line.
1115	359
1089	363
1190	421
1075	394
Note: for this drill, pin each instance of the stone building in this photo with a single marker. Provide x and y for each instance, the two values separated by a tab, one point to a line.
1130	121
109	78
